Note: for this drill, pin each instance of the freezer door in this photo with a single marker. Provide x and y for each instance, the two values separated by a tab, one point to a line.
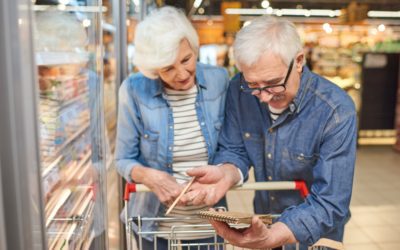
70	85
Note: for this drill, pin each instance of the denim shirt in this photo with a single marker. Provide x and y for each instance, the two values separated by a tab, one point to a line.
313	140
145	130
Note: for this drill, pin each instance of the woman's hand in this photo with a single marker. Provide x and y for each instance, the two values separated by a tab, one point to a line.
159	182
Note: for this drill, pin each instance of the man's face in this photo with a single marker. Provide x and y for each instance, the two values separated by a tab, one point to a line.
270	70
181	74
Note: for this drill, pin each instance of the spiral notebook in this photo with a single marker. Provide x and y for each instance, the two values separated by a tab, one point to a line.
234	217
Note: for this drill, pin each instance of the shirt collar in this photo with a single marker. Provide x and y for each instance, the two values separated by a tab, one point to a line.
200	81
300	98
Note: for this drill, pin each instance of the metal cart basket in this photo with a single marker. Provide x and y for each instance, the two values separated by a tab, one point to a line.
176	232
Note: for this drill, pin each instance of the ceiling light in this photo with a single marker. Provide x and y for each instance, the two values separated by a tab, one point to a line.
86	22
381	27
376	13
65	2
61	7
265	4
197	3
246	23
201	11
240	11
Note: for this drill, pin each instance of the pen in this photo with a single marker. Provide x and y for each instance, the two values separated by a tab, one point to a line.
180	196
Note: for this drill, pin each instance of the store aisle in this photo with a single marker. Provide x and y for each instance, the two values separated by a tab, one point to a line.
375	206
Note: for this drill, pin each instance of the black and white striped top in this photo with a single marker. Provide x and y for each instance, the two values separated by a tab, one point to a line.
189	151
190	148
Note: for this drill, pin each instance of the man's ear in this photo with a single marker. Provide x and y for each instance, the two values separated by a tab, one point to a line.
299	61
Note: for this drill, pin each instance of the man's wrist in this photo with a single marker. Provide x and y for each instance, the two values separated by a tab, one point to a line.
281	235
233	176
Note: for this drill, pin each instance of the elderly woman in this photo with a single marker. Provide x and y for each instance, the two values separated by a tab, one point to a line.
169	118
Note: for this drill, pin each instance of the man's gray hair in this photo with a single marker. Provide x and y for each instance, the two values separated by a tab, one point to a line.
157	39
266	34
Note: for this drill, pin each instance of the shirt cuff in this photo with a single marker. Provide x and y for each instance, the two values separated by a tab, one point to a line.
240	182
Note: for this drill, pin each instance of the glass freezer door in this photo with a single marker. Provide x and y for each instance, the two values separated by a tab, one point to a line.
68	54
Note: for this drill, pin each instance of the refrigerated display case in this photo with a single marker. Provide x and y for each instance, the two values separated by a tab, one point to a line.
67	48
55	72
61	64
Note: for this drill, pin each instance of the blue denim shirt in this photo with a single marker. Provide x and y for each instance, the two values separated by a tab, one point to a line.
313	140
145	128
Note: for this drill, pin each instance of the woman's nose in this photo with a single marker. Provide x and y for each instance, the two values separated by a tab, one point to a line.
182	73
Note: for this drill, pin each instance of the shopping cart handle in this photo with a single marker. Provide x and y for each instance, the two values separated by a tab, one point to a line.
129	188
269	185
302	187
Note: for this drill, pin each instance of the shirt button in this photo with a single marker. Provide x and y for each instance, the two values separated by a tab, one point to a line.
146	136
202	123
272	198
271	130
247	135
169	148
170	165
270	178
170	127
292	107
269	155
300	157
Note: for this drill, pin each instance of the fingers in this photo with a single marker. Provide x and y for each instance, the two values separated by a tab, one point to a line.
199	198
230	234
167	192
257	224
198	172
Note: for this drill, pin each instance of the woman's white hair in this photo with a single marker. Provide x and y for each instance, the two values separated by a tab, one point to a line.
266	34
157	39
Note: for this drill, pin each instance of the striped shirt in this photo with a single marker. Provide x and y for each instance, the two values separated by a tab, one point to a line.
189	151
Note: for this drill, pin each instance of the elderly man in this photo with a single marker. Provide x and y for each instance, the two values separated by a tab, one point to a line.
289	124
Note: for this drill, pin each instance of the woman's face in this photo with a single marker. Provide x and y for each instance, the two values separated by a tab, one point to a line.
181	74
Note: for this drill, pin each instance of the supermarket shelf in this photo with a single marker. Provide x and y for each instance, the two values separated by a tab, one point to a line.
66	143
57	58
377	141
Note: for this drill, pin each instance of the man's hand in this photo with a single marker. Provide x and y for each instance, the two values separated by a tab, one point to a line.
257	236
211	184
159	182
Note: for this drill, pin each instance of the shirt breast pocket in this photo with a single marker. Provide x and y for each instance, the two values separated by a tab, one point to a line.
149	145
297	164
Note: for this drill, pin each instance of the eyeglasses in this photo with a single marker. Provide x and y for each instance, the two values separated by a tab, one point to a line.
272	89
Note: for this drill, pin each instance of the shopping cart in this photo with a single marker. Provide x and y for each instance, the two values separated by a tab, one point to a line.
176	233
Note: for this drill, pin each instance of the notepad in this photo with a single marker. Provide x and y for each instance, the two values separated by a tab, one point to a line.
234	217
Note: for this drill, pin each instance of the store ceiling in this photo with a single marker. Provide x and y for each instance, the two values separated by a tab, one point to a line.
212	7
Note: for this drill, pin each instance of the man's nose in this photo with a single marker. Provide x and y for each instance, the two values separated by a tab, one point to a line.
265	96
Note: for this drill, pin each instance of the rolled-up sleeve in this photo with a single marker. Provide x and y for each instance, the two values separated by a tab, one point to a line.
230	143
327	206
127	141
